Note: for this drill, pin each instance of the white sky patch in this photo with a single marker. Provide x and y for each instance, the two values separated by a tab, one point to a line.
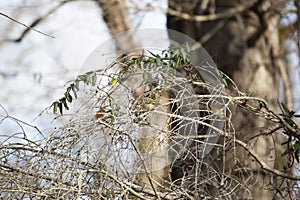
34	71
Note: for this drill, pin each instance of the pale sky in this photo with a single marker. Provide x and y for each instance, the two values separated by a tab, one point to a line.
36	70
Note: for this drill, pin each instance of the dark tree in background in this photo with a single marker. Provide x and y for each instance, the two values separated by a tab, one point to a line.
243	39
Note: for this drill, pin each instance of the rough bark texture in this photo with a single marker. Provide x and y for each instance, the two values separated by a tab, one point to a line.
153	139
115	15
154	144
243	47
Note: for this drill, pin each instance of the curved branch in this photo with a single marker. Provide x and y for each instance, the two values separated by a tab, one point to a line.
264	165
201	18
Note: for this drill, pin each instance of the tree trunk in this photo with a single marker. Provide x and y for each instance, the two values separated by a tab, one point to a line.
115	15
153	169
245	46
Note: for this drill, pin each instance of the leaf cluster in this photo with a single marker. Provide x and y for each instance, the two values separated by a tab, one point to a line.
293	142
71	91
173	57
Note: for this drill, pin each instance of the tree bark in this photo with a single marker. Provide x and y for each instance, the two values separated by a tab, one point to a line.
115	15
153	142
244	46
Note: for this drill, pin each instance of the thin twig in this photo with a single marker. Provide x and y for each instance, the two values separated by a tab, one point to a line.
264	165
202	18
30	28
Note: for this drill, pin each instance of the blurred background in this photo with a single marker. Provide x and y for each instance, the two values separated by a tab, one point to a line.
35	69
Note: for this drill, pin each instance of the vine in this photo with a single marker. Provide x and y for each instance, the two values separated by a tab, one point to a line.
173	57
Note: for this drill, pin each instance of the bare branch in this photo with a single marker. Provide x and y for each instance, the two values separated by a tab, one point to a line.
264	165
28	27
211	17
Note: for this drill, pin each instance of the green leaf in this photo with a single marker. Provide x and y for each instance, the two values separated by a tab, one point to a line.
285	108
68	89
74	90
224	82
55	104
82	77
68	97
64	101
60	106
89	73
76	84
296	148
87	80
94	79
151	60
112	110
153	97
138	61
114	82
158	60
178	62
252	94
